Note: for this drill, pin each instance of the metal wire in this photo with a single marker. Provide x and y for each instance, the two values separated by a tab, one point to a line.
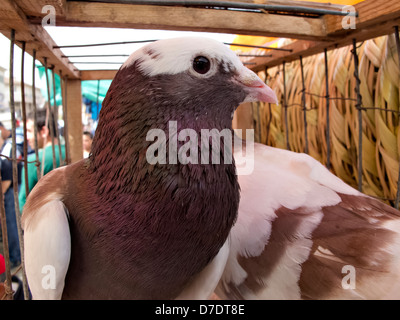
35	132
23	105
12	107
285	108
95	55
328	139
15	166
49	116
269	108
329	97
256	55
65	111
359	108
55	112
303	100
95	62
153	40
97	100
256	47
127	55
15	184
7	283
231	5
101	44
64	161
396	35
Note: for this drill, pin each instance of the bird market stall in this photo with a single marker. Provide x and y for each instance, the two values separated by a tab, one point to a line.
336	78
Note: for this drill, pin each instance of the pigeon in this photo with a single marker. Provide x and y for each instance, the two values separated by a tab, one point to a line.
162	208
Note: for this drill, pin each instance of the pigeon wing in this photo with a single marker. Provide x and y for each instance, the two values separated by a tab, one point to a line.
302	233
47	238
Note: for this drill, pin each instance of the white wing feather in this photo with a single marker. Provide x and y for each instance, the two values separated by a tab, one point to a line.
47	242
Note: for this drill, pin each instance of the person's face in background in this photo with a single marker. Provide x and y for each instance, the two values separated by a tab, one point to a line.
5	133
87	143
30	133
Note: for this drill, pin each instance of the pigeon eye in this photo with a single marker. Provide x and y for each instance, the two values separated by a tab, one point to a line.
201	64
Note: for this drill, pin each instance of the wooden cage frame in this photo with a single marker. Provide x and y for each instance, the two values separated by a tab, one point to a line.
315	27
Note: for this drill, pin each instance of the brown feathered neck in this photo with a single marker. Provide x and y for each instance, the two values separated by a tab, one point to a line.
136	104
171	219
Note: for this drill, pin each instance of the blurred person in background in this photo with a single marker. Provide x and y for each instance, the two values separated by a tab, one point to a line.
44	145
8	193
87	139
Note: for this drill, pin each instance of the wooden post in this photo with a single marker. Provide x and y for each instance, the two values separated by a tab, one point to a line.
74	117
243	118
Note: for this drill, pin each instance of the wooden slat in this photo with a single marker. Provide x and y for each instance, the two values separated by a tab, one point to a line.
194	19
74	114
12	17
98	74
36	37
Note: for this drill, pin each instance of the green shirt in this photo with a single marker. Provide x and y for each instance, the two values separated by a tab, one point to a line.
32	172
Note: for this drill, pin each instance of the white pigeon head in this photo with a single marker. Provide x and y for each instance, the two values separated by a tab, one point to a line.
202	58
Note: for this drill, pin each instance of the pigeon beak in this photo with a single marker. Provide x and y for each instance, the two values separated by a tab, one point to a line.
256	89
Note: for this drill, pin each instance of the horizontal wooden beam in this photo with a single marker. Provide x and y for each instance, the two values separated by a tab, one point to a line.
35	36
376	18
308	48
34	8
94	14
371	13
98	74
